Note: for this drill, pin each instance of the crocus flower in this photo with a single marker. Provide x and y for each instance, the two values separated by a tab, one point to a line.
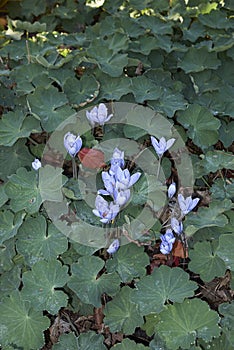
113	247
109	182
171	190
167	242
36	164
117	160
176	226
121	197
187	204
72	143
124	180
98	115
106	211
162	145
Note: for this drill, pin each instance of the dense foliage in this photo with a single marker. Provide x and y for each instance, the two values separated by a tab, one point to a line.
162	68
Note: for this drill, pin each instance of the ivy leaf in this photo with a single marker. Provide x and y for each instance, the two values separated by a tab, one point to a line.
121	314
224	251
22	323
129	261
23	191
87	286
10	224
181	324
165	284
144	89
81	91
128	344
12	158
15	125
40	284
205	261
37	241
199	59
208	217
85	341
202	126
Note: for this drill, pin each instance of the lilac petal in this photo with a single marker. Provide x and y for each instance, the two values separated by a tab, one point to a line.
114	246
193	204
104	192
170	143
96	212
171	190
133	179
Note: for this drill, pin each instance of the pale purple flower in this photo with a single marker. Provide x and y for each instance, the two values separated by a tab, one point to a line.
124	180
105	210
162	145
167	242
187	204
109	183
36	164
72	143
117	160
171	190
177	226
113	247
121	197
98	115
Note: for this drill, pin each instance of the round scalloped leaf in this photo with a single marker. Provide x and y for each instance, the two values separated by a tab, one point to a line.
201	124
7	253
21	325
199	59
128	344
81	91
23	191
227	322
144	89
181	324
86	283
170	102
121	314
10	224
50	183
85	341
12	158
165	284
205	261
215	160
10	281
226	133
37	242
208	217
15	125
225	251
3	196
41	283
129	261
113	88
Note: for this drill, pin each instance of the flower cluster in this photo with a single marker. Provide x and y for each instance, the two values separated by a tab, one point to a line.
117	182
186	205
98	115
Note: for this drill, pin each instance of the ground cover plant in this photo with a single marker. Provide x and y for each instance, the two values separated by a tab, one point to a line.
116	176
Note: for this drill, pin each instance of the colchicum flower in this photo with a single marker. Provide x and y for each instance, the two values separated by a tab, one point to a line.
36	164
117	160
167	242
176	226
124	180
121	197
187	204
162	145
106	211
171	190
98	115
113	247
72	143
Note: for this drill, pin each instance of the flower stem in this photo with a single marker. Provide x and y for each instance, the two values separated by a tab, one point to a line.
74	168
159	166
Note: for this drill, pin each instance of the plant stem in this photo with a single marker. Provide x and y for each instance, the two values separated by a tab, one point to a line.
159	165
74	168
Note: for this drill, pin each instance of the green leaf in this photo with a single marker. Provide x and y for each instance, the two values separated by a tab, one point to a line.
10	224
3	196
10	281
208	217
41	283
199	59
21	325
215	19
121	314
215	160
156	25
12	158
37	9
224	252
23	191
165	284
202	126
85	283
226	132
128	344
15	125
37	241
50	183
170	102
81	91
130	262
85	341
181	324
227	322
222	189
7	253
144	89
113	88
205	261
